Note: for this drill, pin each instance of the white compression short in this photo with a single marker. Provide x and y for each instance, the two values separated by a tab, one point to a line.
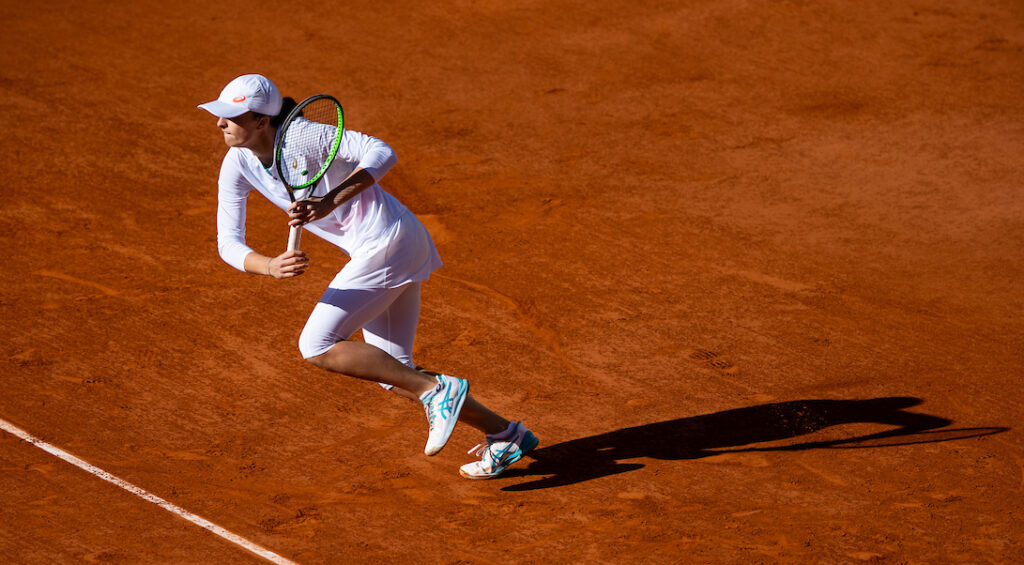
387	316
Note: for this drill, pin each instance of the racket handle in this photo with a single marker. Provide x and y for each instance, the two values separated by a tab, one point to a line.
294	235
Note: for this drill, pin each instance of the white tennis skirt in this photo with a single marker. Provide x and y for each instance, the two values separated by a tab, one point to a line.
403	253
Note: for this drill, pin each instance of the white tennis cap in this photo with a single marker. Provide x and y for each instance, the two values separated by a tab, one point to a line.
247	93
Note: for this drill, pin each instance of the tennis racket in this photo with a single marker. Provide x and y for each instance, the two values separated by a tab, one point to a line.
306	145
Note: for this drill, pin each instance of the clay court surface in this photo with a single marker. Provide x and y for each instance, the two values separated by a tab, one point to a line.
751	270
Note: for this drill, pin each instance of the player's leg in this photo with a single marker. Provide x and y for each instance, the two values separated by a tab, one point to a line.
335	318
394	332
323	342
473	414
363	361
505	443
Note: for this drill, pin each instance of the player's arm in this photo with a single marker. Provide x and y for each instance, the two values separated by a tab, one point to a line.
285	265
233	191
312	209
374	157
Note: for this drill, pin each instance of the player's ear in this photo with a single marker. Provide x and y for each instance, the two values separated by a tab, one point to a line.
262	122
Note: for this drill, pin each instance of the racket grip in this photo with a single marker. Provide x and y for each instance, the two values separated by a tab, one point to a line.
294	235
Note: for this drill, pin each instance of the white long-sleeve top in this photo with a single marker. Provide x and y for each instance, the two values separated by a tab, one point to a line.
359	226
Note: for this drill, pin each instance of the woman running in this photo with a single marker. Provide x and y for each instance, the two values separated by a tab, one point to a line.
377	291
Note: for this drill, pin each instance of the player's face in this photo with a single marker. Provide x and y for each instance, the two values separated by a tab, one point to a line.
240	130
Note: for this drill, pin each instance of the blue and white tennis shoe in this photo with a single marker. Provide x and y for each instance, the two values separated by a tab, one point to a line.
443	406
497	454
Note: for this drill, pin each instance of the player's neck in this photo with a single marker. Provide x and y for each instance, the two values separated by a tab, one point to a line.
262	146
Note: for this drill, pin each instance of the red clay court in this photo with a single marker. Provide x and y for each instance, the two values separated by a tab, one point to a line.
750	269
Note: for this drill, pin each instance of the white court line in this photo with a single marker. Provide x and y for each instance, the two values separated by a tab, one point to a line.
197	520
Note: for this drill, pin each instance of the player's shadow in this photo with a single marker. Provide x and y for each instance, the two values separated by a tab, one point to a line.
736	431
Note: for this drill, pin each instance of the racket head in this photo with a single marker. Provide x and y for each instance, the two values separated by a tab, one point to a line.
308	141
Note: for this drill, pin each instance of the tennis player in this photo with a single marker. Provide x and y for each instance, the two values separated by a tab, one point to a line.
377	291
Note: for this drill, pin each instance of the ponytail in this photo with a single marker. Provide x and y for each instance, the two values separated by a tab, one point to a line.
287	105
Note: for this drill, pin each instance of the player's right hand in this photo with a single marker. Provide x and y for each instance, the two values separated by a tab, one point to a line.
289	264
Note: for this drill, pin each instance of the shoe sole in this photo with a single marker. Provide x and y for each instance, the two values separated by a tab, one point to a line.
511	462
461	399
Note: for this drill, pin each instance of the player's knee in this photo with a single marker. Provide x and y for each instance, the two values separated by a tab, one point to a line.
312	346
318	360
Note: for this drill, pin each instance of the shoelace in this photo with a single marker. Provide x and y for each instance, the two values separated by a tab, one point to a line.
480	448
430	416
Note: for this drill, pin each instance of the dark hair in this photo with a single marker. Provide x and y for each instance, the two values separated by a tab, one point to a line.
287	105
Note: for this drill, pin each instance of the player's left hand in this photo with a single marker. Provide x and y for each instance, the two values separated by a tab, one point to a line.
308	210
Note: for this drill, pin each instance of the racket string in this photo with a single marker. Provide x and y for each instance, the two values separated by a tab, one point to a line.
309	143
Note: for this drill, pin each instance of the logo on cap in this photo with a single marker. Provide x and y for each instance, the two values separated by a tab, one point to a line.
238	99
